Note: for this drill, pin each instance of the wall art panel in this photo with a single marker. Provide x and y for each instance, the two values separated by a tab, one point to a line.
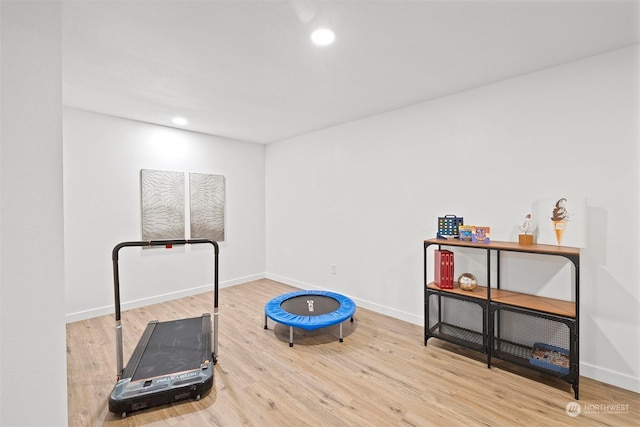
163	203
207	205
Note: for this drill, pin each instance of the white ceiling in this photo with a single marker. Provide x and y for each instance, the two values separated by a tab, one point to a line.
247	70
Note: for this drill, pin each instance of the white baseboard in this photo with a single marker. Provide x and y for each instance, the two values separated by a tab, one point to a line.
291	282
128	305
241	280
617	379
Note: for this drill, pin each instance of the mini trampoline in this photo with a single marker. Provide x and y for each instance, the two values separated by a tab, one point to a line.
309	310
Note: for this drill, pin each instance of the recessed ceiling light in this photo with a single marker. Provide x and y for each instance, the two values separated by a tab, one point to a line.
323	37
180	121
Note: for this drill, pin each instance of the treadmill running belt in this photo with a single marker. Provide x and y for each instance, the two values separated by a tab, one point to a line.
174	346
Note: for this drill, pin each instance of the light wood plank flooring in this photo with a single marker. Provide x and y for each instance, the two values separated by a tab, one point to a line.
381	375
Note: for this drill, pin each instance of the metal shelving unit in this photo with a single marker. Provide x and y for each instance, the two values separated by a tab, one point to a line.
478	319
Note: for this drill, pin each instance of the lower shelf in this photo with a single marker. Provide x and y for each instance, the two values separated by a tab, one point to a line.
507	332
509	349
457	335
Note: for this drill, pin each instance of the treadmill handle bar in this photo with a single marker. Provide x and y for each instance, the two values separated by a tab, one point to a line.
116	289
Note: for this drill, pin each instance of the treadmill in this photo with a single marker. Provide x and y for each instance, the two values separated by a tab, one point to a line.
173	360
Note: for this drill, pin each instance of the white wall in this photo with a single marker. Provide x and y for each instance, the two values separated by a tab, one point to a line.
365	194
33	370
102	160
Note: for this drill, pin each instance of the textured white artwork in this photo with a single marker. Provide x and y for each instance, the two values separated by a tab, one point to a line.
207	199
162	195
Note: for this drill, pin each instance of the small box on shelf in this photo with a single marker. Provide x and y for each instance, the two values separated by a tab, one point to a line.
550	357
466	232
481	234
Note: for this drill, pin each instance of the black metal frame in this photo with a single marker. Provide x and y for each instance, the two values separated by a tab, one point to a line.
491	307
572	377
436	331
116	289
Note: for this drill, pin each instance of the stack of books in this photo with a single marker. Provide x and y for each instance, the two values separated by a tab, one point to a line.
443	267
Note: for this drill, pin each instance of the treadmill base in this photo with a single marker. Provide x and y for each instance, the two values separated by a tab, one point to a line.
172	362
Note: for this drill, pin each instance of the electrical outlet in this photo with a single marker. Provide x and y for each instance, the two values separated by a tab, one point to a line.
333	269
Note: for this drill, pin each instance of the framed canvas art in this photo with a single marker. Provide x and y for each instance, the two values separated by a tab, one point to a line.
207	206
562	221
162	196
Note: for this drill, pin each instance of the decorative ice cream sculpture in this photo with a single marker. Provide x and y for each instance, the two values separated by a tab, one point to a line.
527	225
560	218
526	228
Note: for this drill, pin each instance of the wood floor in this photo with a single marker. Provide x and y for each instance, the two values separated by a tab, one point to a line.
382	375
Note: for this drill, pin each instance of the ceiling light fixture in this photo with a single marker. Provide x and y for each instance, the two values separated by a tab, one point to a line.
323	37
180	121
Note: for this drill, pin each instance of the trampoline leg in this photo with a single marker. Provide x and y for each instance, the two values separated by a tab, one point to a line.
290	336
341	340
265	321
